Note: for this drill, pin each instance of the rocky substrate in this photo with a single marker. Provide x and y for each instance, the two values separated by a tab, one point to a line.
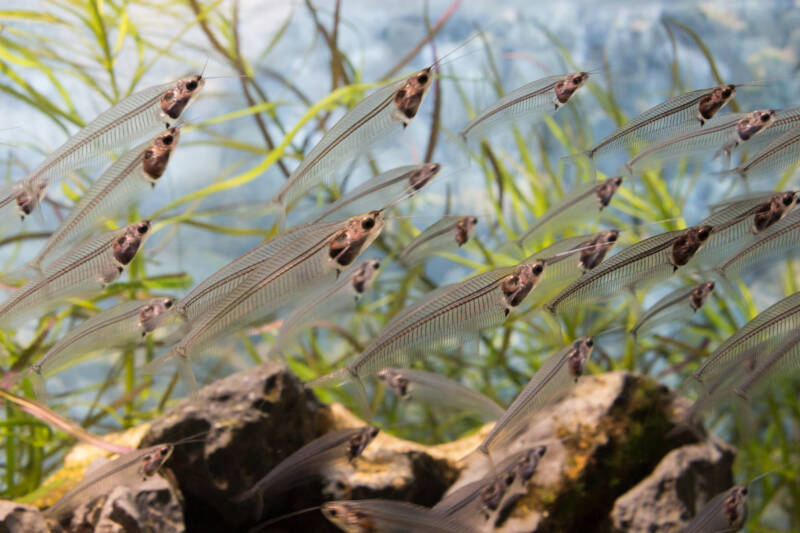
613	463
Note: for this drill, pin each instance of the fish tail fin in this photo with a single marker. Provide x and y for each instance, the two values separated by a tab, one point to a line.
479	454
184	367
38	383
187	376
335	378
726	281
577	156
684	425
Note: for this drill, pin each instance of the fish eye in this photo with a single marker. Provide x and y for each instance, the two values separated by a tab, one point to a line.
612	237
590	343
726	92
788	199
332	511
142	228
167	139
765	117
711	285
168	304
376	264
618	180
538	269
192	85
368	223
148	457
744	491
401	94
373	432
473	220
422	78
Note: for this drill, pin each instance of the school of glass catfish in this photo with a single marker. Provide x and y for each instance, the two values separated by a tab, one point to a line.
311	271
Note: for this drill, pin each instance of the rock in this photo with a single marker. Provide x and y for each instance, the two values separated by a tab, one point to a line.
681	484
19	518
606	435
259	417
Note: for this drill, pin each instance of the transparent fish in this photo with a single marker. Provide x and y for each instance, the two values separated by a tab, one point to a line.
524	464
131	175
545	95
84	270
725	513
770	327
676	307
389	516
779	240
382	191
647	261
307	463
722	133
739	219
122	325
302	265
438	391
385	112
783	359
452	315
448	233
773	159
139	115
579	205
786	120
21	198
130	470
569	259
553	380
328	303
478	503
679	114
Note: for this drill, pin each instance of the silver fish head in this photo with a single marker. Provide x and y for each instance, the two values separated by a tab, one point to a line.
156	156
127	244
358	234
362	278
517	285
566	87
396	381
685	246
735	507
606	190
29	196
153	461
700	293
359	441
178	98
527	465
152	312
410	96
754	123
715	100
772	211
420	177
465	229
594	251
492	494
348	517
578	356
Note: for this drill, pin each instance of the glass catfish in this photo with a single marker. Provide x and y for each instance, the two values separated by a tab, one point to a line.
385	112
453	314
299	266
84	270
676	307
450	232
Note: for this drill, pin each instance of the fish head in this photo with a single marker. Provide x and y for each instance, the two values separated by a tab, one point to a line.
567	86
527	465
517	285
492	494
409	97
359	441
465	229
578	355
755	122
606	190
734	506
395	380
420	177
715	100
183	93
700	293
29	196
362	278
127	244
772	211
357	235
685	246
348	517
155	459
156	156
152	312
594	251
